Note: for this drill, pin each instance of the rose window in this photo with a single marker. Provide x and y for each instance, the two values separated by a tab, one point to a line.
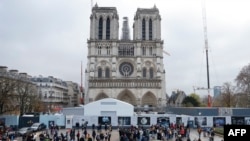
126	69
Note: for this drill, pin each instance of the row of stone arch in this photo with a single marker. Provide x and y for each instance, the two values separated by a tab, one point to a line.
127	96
148	69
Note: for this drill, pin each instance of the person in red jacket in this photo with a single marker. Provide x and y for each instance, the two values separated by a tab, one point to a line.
182	132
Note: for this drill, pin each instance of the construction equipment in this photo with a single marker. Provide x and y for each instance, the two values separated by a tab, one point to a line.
209	104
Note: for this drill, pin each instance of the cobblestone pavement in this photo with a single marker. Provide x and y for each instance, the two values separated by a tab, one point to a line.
115	136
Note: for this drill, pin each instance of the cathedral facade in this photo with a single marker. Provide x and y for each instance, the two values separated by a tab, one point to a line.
130	70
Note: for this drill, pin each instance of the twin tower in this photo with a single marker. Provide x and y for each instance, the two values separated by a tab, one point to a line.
104	24
130	70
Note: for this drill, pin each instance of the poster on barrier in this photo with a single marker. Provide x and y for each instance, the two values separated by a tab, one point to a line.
178	120
237	120
143	120
247	120
163	121
104	120
219	121
124	120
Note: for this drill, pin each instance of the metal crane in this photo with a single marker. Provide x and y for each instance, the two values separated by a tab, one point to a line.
209	104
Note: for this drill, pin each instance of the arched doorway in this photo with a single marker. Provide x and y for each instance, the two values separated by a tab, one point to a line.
101	96
127	96
149	99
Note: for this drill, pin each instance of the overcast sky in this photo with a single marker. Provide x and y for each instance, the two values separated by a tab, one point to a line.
49	38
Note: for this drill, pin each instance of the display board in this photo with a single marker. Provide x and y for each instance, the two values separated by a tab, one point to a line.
104	120
163	121
124	121
219	121
143	121
237	120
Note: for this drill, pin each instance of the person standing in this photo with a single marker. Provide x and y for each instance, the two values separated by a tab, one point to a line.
94	134
199	130
109	135
85	133
99	128
78	136
106	127
212	135
93	126
82	138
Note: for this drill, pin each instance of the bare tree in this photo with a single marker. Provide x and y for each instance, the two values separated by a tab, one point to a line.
217	101
7	87
242	100
243	82
228	97
18	94
26	96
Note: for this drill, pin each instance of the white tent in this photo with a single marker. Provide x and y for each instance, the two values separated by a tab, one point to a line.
108	106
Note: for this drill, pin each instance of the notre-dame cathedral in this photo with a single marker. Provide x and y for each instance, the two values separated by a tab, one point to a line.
130	70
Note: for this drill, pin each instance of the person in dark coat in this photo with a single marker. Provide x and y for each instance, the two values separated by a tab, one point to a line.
78	135
93	134
93	126
106	127
85	133
102	136
82	138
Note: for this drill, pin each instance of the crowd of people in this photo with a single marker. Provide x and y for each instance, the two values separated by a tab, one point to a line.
154	132
130	133
177	132
76	134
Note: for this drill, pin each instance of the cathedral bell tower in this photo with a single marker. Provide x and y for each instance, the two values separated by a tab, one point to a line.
147	24
104	23
104	31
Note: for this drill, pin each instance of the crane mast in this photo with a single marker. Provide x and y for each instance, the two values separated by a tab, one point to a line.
209	104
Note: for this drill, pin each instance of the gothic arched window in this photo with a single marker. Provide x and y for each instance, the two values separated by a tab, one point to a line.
100	29
151	73
150	30
126	50
99	72
143	50
150	50
144	72
108	50
99	50
143	29
107	73
108	29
